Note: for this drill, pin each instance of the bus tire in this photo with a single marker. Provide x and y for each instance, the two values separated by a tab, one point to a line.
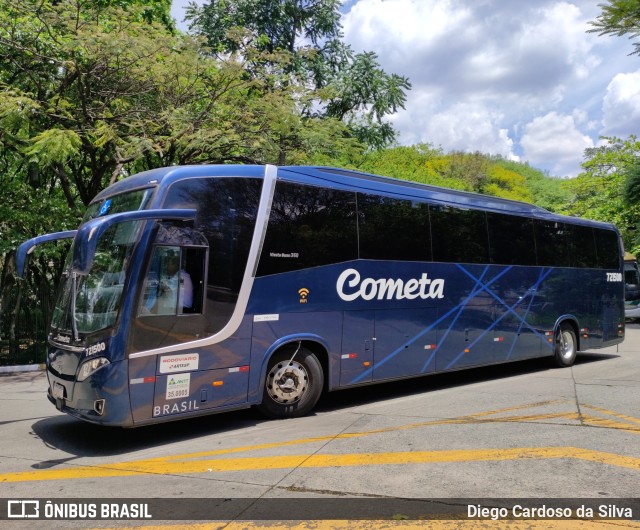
292	386
566	346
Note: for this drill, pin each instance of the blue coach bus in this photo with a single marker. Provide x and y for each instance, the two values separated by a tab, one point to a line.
292	281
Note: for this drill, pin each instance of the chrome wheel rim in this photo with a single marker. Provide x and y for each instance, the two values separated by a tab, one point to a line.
287	382
566	345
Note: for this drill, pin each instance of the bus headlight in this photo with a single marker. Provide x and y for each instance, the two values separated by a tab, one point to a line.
89	367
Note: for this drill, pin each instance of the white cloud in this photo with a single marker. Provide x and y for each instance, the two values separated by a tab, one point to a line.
555	138
511	78
482	70
471	48
621	106
459	127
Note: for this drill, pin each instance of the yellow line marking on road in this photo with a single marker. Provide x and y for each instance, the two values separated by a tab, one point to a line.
202	462
612	413
472	418
183	467
610	424
515	407
480	417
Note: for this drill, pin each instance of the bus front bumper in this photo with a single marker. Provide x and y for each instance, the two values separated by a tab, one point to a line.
89	400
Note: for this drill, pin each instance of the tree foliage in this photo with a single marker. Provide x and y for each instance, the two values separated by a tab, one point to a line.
619	18
598	192
632	183
351	87
91	92
276	25
417	163
475	172
544	191
83	93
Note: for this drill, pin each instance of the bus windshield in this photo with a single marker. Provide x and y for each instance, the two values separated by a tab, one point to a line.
89	303
125	202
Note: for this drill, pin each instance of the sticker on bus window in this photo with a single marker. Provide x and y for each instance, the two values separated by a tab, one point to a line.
106	205
178	386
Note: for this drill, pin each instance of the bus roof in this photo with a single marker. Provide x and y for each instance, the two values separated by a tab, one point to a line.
341	179
375	183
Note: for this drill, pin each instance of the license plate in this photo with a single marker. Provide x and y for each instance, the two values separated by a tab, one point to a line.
57	391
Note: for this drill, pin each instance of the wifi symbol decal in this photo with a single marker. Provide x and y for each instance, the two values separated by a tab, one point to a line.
304	292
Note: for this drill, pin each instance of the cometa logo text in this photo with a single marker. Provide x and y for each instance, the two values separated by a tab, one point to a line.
351	286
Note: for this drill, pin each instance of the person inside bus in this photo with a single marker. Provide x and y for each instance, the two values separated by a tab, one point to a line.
175	289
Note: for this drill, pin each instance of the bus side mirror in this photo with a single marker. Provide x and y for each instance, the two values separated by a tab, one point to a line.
89	234
26	248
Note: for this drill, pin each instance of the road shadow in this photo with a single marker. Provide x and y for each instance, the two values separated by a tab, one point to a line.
81	439
365	395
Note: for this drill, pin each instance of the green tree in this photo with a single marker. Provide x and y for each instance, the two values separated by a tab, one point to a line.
25	211
506	183
632	183
275	25
417	163
598	192
547	192
79	90
351	87
465	171
90	94
153	10
619	17
471	168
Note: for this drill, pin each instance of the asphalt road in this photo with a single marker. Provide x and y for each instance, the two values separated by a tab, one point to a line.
523	430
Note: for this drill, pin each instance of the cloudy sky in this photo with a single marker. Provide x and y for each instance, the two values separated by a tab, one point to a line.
521	79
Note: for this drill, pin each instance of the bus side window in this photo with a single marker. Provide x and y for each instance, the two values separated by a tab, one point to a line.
393	229
582	249
552	243
511	240
308	227
607	248
631	277
459	235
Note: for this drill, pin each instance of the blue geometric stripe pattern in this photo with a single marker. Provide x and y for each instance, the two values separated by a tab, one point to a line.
480	285
531	292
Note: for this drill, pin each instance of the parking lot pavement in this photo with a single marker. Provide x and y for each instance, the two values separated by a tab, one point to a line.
518	431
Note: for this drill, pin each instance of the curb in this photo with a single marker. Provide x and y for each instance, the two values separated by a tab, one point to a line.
21	368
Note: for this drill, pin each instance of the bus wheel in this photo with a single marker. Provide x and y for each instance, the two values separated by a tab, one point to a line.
566	346
293	384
